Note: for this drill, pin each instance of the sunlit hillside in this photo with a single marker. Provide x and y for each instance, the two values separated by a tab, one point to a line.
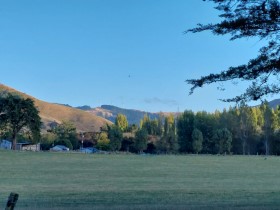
49	112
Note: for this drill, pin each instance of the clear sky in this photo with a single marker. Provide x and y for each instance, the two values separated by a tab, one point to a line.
128	53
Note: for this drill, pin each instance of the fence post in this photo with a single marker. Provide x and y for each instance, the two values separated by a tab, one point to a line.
12	200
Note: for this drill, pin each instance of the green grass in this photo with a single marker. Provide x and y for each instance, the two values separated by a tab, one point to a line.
84	181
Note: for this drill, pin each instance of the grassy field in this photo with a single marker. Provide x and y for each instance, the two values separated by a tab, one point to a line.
85	181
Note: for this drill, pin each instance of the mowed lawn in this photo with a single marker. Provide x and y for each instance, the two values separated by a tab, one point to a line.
109	181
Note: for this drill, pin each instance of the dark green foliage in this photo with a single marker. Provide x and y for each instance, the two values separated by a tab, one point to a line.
239	130
269	124
132	128
247	127
141	140
168	142
207	123
67	131
127	144
185	126
115	136
246	19
197	139
151	148
223	140
19	115
103	143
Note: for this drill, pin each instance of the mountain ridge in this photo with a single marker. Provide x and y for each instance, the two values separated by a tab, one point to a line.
133	116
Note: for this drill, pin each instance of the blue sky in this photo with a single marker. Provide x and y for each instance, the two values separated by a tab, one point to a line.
128	53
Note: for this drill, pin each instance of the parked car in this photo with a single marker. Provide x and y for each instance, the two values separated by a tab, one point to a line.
89	150
59	148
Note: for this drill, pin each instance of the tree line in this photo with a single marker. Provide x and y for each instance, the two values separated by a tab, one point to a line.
238	130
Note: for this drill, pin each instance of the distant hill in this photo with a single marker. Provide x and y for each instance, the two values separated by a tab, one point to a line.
274	103
110	112
85	107
50	112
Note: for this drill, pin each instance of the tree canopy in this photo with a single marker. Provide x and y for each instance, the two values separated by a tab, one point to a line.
121	122
18	114
246	19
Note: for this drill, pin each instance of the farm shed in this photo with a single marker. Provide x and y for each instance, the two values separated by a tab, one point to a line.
28	147
5	144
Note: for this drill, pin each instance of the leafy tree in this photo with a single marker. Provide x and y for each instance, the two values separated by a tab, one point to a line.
132	128
185	126
66	131
160	126
151	126
115	136
141	140
154	127
103	143
127	144
269	124
275	143
18	114
121	122
168	142
247	126
223	140
197	139
207	123
47	140
246	19
169	124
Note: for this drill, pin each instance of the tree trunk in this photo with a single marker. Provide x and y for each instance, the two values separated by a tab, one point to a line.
14	141
266	146
243	146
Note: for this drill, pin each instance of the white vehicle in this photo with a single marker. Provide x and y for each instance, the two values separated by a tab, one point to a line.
59	148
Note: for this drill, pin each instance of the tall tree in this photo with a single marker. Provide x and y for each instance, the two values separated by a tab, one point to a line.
141	140
185	126
197	139
168	142
247	126
246	19
223	140
121	122
116	136
17	114
269	124
207	123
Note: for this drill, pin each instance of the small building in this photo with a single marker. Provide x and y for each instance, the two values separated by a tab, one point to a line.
28	147
5	144
32	147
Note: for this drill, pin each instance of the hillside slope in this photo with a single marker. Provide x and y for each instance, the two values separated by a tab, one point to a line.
50	112
110	113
